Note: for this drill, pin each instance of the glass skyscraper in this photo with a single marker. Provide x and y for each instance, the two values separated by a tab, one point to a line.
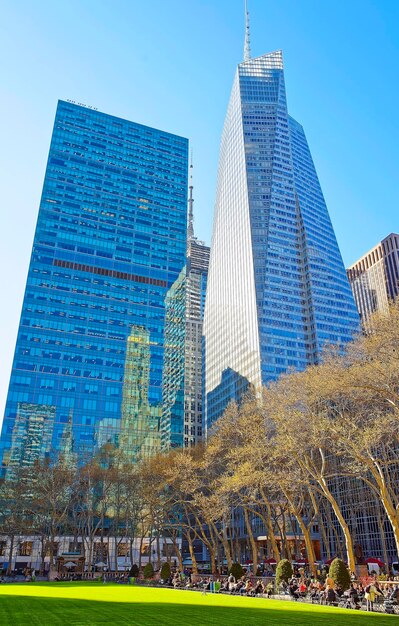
182	408
110	241
172	421
277	287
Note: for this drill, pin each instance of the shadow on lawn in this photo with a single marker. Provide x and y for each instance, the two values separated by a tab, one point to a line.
19	610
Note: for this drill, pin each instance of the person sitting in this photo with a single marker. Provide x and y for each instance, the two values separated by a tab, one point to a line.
394	595
231	581
269	590
330	595
354	596
259	588
390	601
293	589
302	589
248	589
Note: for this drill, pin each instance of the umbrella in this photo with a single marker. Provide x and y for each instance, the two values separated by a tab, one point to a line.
101	564
271	561
373	560
70	564
302	561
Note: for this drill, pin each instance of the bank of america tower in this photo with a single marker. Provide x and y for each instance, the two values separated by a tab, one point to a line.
277	287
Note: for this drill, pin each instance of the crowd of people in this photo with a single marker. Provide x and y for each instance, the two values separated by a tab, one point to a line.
354	597
299	587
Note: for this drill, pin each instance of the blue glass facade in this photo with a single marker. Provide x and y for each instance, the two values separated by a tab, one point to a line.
182	408
173	372
109	243
277	287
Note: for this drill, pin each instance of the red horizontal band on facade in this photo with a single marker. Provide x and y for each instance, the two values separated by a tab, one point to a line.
102	271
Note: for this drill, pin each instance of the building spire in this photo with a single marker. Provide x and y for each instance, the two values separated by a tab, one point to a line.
190	221
247	43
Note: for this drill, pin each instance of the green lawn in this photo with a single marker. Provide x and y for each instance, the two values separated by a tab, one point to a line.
93	603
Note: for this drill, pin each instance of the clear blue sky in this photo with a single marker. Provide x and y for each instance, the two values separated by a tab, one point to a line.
170	64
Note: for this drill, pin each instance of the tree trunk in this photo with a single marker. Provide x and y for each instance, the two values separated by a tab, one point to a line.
254	547
90	559
11	550
383	541
192	554
324	536
52	569
271	537
225	543
116	554
345	529
42	555
178	553
131	540
309	545
284	542
270	529
212	556
158	552
391	512
141	552
151	539
306	534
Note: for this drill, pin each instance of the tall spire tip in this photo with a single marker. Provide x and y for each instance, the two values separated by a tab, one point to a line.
247	43
190	220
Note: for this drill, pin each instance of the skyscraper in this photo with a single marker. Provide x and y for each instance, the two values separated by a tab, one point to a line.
374	278
182	408
172	421
109	243
197	275
277	288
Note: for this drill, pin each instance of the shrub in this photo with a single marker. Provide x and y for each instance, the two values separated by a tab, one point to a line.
148	571
165	571
284	572
340	574
237	571
134	571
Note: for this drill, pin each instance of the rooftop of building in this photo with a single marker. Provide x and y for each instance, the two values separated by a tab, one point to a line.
375	254
95	111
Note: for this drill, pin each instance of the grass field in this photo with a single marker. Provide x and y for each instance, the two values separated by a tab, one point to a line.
75	604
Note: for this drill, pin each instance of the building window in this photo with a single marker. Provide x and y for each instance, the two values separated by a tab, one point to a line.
25	548
75	547
123	549
55	548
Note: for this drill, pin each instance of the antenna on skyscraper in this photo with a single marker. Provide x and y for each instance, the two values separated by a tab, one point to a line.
190	221
247	43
